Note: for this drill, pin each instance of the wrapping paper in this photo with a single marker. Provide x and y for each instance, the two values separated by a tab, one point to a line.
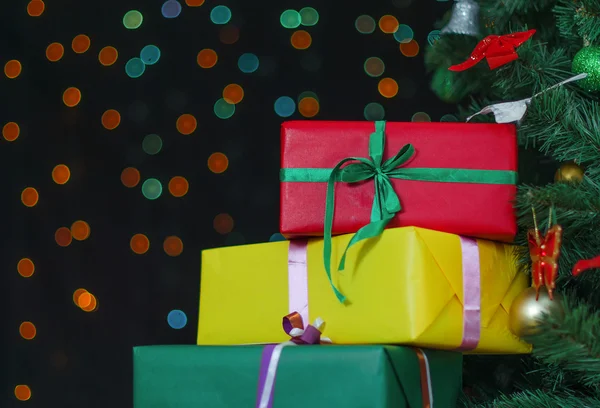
405	287
471	209
307	376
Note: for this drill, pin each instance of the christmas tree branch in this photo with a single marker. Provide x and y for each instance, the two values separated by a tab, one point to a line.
579	20
538	399
570	339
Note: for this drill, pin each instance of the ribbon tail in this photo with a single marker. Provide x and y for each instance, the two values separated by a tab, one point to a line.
497	61
370	230
470	63
586	264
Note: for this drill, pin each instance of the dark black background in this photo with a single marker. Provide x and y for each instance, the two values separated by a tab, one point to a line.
81	359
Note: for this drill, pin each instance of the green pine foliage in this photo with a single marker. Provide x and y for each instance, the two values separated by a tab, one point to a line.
562	125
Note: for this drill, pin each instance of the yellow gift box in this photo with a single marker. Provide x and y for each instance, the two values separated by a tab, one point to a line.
404	287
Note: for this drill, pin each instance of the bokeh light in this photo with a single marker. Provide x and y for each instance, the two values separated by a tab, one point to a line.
152	144
135	67
374	67
171	9
130	177
177	319
111	119
309	16
81	43
233	94
387	87
404	34
80	230
307	94
30	197
409	49
133	19
152	189
77	294
308	107
12	69
220	15
11	131
23	392
433	36
388	24
420	117
61	174
150	54
277	237
223	109
218	162
194	3
365	24
173	246
71	97
186	124
290	19
229	34
301	40
87	302
207	58
248	63
223	223
139	244
178	186
285	106
448	118
27	330
55	51
63	237
374	111
36	8
108	56
26	267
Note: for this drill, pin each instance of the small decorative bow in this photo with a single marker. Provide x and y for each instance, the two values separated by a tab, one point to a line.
498	50
294	326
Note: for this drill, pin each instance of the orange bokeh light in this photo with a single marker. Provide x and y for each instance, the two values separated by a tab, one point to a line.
173	246
410	49
218	162
35	8
71	97
301	40
55	52
26	267
207	58
76	295
194	3
11	131
22	392
92	306
388	24
81	43
229	34
61	174
111	119
139	244
80	230
84	299
29	197
12	69
63	237
130	177
27	330
308	107
223	223
388	87
186	124
233	94
108	56
178	186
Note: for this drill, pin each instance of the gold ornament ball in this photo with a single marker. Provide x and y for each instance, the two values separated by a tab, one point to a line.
570	172
525	311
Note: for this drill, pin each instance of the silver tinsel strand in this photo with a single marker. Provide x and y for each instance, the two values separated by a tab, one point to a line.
465	19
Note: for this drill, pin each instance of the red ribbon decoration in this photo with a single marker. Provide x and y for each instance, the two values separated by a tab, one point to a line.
311	334
498	50
585	264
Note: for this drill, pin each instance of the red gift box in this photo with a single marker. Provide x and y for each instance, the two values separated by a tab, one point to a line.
473	208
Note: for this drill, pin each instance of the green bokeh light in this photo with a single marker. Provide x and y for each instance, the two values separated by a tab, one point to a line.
374	111
133	19
309	16
223	109
152	189
152	144
290	19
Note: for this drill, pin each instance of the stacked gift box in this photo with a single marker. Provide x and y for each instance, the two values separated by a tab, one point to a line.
398	261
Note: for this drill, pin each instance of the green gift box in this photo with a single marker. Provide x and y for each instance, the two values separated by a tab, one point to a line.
367	376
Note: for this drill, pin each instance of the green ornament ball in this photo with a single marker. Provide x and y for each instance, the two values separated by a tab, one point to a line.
588	60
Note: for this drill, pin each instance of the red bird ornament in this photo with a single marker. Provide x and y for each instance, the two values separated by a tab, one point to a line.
498	50
544	252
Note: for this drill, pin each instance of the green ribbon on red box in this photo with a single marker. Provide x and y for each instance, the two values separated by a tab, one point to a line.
386	203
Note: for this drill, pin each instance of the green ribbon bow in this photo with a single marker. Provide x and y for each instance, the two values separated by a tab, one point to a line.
386	203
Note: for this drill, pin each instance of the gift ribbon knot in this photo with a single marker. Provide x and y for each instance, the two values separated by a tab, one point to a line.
293	325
